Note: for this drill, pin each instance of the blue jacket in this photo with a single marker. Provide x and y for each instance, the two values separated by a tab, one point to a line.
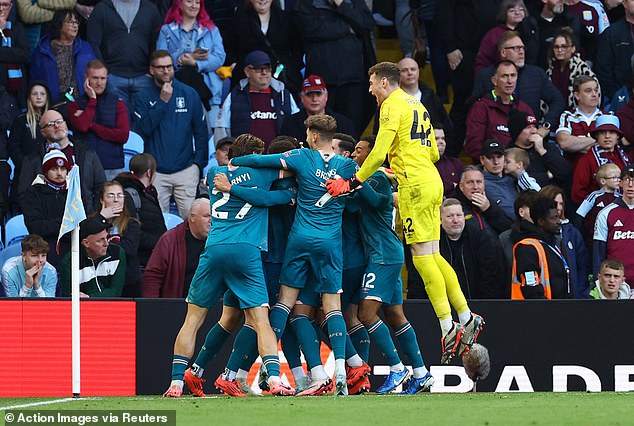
44	66
574	248
170	40
169	127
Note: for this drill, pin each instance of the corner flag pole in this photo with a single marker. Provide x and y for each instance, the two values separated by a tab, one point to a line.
74	213
76	358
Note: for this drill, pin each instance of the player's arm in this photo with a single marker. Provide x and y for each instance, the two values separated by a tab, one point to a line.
376	193
254	196
271	161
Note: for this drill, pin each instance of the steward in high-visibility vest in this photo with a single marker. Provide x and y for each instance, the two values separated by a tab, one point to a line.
540	270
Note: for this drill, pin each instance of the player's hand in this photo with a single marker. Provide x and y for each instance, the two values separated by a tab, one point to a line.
480	201
221	182
166	91
340	186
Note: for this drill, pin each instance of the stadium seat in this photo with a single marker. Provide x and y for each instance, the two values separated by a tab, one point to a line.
9	252
15	230
171	220
132	147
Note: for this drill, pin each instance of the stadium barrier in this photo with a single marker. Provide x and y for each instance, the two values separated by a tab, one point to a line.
577	345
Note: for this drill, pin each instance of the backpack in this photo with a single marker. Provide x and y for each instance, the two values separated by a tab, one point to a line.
136	200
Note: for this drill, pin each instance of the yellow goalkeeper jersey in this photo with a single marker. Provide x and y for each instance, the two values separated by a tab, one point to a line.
406	136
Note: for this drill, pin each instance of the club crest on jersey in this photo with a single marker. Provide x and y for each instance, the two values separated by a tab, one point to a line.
180	102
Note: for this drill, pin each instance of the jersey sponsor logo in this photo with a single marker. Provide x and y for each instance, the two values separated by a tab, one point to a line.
623	235
263	115
618	223
501	128
152	103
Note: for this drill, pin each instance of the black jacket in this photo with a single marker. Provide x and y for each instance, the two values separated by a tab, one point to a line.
614	65
332	39
293	125
43	209
91	174
463	23
477	260
494	220
551	161
526	259
150	214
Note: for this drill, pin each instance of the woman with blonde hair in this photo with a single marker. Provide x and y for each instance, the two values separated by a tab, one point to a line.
125	232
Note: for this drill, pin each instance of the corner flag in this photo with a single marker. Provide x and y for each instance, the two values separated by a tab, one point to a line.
74	210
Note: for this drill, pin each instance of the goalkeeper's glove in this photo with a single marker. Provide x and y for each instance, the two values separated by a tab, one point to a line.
342	186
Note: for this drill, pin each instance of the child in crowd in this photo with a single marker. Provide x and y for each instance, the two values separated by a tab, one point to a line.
516	161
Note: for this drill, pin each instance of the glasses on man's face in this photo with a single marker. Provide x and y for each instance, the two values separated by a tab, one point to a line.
112	196
163	67
628	180
515	49
5	5
263	69
53	123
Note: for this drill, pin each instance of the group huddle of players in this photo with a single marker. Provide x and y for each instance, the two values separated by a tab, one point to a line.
312	275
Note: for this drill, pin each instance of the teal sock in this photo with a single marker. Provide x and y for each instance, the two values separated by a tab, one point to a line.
361	341
337	333
409	344
290	346
278	317
350	350
380	335
245	343
307	339
179	365
272	365
214	340
322	330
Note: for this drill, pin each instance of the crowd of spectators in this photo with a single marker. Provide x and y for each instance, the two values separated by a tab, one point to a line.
541	105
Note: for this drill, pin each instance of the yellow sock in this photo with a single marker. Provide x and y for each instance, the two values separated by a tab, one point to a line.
454	292
434	284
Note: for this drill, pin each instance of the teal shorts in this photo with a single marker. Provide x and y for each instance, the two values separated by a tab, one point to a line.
236	267
383	284
313	262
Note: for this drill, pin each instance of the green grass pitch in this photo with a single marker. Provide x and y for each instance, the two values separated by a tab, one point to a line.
575	408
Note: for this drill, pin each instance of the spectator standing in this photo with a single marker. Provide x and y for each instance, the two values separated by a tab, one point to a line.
33	14
169	116
614	228
174	260
336	38
314	98
540	270
449	168
101	265
553	16
60	58
196	47
100	117
141	201
123	34
565	65
258	104
593	21
14	56
488	117
30	275
607	149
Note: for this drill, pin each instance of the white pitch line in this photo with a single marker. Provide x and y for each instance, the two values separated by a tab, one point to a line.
35	404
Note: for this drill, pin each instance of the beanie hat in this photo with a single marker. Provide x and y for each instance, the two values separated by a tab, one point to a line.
54	158
518	121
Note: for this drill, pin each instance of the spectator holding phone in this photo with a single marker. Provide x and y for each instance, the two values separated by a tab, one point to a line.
195	45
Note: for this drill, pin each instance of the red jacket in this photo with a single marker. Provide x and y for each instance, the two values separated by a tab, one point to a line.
584	181
165	272
488	119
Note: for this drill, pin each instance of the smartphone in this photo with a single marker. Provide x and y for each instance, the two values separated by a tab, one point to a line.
202	49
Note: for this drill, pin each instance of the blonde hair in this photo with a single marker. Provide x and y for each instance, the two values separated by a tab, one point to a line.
518	155
605	170
33	114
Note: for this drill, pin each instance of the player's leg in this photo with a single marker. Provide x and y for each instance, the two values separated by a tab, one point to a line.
184	347
331	305
267	347
422	379
358	333
290	347
301	322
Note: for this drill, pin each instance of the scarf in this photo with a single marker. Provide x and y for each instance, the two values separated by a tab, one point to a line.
55	186
598	152
14	72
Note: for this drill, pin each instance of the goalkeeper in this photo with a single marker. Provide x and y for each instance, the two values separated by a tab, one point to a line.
406	136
